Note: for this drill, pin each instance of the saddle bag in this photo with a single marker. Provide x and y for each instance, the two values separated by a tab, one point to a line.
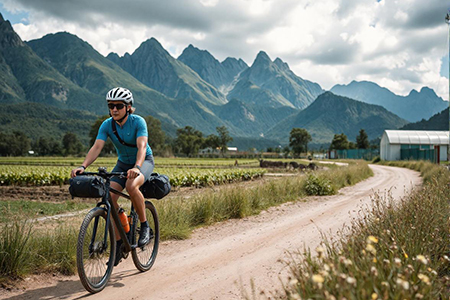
156	186
87	187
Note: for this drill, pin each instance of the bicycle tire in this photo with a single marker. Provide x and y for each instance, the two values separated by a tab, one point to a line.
144	257
93	265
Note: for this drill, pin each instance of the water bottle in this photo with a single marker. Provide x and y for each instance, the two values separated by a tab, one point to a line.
124	220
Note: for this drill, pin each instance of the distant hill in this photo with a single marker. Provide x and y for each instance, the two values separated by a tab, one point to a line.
439	121
273	84
38	120
210	69
152	65
27	77
331	114
414	107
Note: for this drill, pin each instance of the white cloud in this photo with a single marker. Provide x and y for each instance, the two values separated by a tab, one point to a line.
397	44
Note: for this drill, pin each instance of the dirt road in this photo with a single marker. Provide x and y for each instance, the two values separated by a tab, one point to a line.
220	261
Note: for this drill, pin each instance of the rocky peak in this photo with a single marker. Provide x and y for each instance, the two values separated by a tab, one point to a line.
262	58
8	37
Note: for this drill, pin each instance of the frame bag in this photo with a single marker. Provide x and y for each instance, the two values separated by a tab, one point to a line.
156	186
87	187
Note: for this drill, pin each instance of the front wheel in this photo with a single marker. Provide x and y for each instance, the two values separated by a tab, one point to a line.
95	258
144	257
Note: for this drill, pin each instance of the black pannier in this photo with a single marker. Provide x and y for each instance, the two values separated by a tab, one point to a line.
156	186
87	187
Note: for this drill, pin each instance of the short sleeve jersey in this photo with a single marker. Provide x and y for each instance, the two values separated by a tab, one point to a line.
133	128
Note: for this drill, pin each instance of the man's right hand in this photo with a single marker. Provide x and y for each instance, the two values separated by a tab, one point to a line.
77	171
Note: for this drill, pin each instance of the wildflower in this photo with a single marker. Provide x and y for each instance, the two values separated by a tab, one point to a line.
397	262
296	297
293	282
347	262
318	278
371	249
371	239
374	260
424	278
386	261
374	296
351	280
374	271
433	272
343	276
385	284
403	283
320	251
446	258
419	296
422	259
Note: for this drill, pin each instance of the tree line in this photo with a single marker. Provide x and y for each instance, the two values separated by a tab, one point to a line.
188	141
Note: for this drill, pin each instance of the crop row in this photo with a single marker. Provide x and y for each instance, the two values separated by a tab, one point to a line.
45	175
75	161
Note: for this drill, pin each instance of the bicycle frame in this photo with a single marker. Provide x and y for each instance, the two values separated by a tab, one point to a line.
107	202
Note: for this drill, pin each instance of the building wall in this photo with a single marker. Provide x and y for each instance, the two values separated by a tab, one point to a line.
443	153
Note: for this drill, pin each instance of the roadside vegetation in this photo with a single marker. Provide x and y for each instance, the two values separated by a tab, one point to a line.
27	248
397	250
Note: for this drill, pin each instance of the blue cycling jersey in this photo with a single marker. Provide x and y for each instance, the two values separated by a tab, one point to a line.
133	128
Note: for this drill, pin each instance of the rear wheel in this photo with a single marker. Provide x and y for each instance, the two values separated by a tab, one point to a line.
144	257
95	258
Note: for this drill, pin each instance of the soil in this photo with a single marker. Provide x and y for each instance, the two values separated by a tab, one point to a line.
224	260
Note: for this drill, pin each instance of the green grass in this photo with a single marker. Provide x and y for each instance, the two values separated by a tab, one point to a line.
399	250
26	209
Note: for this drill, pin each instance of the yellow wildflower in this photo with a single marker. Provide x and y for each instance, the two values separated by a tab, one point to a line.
371	249
371	239
318	278
374	296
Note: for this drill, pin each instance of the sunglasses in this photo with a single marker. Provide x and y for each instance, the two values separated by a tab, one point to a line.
118	105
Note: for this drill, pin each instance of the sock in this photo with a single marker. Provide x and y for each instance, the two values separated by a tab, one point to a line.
144	224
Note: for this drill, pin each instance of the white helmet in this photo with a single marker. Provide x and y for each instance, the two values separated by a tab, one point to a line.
120	94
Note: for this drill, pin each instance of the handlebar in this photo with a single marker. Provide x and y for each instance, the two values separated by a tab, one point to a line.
103	173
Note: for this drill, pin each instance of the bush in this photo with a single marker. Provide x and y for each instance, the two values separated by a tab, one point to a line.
318	186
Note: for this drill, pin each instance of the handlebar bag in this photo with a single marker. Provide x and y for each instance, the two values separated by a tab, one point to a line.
156	186
87	187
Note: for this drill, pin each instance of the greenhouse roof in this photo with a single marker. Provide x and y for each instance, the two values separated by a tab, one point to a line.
418	137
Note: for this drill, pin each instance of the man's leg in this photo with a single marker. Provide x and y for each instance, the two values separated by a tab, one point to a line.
114	198
133	185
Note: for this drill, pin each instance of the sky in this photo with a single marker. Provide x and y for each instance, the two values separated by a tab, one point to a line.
400	45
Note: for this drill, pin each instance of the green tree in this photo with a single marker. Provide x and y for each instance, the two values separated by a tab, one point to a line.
362	140
189	140
47	146
109	146
224	138
15	144
156	136
339	142
71	144
212	141
298	141
286	151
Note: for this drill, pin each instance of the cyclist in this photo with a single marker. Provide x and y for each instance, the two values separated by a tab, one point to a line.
130	138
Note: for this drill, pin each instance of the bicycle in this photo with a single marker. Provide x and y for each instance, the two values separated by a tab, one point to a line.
96	246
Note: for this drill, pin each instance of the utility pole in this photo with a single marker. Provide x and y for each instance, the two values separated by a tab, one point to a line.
447	20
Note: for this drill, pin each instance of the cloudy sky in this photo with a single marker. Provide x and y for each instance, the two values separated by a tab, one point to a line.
401	45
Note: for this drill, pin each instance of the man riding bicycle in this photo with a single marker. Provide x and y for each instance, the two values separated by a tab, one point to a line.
129	135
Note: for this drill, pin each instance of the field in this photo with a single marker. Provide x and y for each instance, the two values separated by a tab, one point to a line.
182	172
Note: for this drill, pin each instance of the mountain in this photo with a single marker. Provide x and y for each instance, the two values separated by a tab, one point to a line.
414	107
152	65
210	69
251	120
439	121
332	114
83	65
273	84
26	77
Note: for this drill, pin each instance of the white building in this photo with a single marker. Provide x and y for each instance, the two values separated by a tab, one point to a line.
414	144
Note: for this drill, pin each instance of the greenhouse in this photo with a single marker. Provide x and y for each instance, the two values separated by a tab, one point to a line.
414	145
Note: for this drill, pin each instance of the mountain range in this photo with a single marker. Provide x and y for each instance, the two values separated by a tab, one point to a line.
64	79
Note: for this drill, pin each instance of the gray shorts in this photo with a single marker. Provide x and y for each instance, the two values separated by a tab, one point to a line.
146	169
